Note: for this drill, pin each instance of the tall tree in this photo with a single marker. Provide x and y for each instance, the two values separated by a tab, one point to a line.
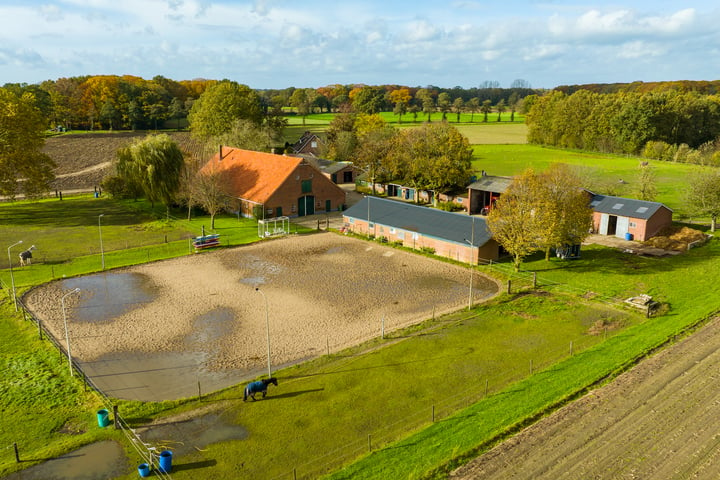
212	191
222	103
500	107
514	220
564	216
155	164
444	104
401	98
369	100
646	182
704	194
458	107
486	108
474	107
23	166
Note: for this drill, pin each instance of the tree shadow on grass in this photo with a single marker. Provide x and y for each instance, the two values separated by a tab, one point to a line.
194	465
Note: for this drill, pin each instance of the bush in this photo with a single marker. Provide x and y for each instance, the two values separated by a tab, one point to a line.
450	206
428	250
117	187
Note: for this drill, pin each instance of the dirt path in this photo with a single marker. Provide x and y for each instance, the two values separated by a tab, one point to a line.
657	421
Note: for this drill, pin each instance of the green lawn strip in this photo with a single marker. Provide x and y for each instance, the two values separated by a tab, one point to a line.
323	411
444	445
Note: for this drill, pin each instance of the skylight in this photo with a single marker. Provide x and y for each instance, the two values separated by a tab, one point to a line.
618	206
642	209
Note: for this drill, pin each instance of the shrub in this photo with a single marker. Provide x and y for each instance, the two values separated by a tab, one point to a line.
449	206
428	250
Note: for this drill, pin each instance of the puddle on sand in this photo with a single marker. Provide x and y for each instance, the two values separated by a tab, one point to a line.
153	377
107	295
211	326
97	460
186	436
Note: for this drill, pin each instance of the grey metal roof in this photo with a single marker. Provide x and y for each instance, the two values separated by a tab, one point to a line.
449	226
489	183
625	207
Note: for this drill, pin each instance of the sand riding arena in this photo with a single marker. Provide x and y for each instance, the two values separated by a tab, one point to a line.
324	292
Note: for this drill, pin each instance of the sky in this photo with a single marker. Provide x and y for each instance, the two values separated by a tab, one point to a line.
312	43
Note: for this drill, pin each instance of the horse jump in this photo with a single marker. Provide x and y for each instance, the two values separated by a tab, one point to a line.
257	387
26	256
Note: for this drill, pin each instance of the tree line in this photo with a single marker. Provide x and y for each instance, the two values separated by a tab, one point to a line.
128	102
629	123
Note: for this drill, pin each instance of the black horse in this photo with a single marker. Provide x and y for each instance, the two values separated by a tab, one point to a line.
257	387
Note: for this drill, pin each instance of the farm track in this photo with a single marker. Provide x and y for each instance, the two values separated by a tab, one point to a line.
657	420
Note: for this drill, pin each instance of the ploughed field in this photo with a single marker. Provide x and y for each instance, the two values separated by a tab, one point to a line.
658	420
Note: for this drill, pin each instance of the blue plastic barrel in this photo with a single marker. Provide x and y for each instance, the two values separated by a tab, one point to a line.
97	194
165	461
103	418
628	236
144	470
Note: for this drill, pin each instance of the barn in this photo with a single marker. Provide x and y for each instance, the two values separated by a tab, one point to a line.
629	218
266	185
453	235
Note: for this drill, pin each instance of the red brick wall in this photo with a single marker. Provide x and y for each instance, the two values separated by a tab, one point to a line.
287	195
461	253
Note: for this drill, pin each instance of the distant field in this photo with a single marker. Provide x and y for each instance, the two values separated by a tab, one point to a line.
600	171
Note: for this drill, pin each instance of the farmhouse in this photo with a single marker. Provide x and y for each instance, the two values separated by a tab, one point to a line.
629	218
308	144
453	235
268	185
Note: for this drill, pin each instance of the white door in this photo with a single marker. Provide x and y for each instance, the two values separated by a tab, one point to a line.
622	226
604	223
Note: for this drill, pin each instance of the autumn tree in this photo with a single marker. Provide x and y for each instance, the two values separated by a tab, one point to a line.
221	104
500	107
401	98
473	106
246	135
514	221
212	191
563	213
369	100
23	165
704	195
444	104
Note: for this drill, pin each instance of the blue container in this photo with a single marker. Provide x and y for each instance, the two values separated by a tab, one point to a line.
165	461
103	418
144	470
97	194
628	236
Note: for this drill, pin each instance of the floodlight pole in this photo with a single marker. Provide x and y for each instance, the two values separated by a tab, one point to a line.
102	252
67	336
12	277
267	328
472	248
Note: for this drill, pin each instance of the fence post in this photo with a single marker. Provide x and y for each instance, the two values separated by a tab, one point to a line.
486	386
531	367
327	345
571	348
383	327
17	454
508	287
115	417
433	414
369	443
199	391
534	279
294	473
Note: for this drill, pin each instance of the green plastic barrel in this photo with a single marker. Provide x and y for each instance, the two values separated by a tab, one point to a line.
103	418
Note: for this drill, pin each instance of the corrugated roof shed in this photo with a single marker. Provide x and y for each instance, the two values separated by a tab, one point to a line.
490	183
625	207
449	226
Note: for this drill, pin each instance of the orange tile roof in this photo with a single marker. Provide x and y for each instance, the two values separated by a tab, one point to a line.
253	175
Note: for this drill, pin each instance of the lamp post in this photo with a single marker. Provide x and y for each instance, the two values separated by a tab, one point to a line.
102	252
12	278
472	248
67	336
267	328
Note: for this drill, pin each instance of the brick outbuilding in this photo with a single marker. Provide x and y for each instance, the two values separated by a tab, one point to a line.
268	185
618	216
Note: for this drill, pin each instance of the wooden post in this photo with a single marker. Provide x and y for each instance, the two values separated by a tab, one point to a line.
383	328
17	454
486	387
571	348
433	414
647	312
199	391
531	366
534	279
116	420
369	443
508	287
327	345
294	473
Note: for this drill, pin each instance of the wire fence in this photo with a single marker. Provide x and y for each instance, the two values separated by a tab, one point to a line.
147	452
